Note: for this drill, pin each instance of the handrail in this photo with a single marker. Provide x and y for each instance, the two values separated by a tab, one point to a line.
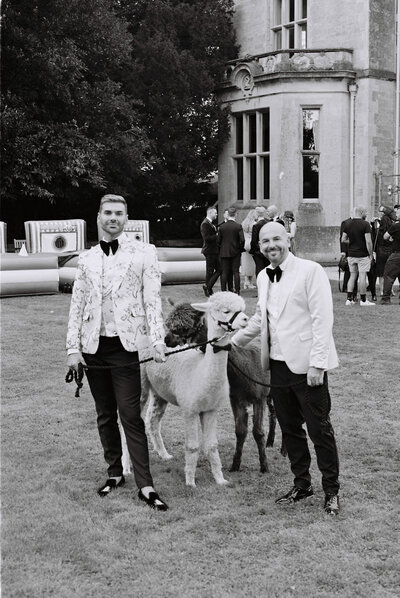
289	51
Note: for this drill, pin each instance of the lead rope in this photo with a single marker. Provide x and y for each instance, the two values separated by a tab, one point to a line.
77	375
324	404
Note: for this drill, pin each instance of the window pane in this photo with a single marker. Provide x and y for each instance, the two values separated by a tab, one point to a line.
291	10
252	134
266	176
278	12
265	131
239	179
303	36
278	39
290	37
239	134
310	177
311	130
304	9
253	177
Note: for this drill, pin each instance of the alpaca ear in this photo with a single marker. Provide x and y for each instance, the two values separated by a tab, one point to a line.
200	306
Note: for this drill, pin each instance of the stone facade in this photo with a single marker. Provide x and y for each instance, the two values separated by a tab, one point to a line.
340	85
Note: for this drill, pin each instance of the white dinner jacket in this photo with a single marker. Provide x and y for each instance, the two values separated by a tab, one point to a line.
135	294
305	317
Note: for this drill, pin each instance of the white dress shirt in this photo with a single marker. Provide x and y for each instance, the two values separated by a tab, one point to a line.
272	314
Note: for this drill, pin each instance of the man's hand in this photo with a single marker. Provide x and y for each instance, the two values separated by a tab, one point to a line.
74	360
315	376
159	353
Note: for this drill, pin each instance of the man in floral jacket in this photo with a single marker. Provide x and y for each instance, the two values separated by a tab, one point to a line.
115	311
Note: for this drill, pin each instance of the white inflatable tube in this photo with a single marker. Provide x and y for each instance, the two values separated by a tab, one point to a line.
180	254
182	272
31	275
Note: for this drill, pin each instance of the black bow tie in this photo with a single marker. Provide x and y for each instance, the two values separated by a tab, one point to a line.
274	272
106	246
217	348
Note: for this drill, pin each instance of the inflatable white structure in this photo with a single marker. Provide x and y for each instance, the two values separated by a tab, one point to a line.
181	265
3	237
178	265
30	275
55	236
137	230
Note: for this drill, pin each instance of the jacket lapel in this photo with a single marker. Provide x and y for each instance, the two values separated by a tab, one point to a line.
287	283
123	260
95	264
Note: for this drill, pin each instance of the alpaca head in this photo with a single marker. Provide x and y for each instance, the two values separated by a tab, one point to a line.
224	311
185	324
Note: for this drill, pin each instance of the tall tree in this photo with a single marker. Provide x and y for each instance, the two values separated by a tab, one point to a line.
112	94
180	50
65	111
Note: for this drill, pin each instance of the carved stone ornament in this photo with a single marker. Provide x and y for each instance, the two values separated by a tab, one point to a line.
301	62
243	75
322	62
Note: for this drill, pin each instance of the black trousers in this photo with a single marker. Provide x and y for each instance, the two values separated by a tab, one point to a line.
298	404
390	273
230	271
213	269
119	389
260	261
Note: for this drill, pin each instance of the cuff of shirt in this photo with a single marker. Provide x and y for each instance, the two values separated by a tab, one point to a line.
158	343
72	351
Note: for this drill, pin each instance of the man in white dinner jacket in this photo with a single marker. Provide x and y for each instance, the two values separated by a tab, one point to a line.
294	317
115	311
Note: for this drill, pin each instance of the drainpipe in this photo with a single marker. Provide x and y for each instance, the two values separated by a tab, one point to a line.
396	133
353	91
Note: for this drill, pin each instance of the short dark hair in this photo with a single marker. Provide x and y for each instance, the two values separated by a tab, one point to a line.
397	206
113	198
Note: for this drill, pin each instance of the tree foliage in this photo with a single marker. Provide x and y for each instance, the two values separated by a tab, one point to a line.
112	95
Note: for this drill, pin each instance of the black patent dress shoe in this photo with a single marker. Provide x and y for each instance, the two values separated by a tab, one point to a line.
151	501
294	495
206	291
110	485
331	505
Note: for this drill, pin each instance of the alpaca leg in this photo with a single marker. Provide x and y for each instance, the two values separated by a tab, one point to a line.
259	434
191	448
241	425
126	460
155	412
209	427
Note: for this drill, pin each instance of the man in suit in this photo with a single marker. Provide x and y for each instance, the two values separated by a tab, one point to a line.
260	260
294	317
209	235
231	245
115	311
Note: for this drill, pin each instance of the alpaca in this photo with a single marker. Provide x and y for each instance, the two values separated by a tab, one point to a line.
186	325
196	382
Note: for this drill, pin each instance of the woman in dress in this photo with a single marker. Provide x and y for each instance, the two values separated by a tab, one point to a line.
290	226
247	266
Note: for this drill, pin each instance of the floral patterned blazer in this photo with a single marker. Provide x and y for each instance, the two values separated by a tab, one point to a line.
135	294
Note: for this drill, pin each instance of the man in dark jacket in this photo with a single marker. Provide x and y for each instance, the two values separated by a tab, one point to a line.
231	245
209	234
392	266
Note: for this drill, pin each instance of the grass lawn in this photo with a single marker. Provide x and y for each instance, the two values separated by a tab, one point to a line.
60	539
